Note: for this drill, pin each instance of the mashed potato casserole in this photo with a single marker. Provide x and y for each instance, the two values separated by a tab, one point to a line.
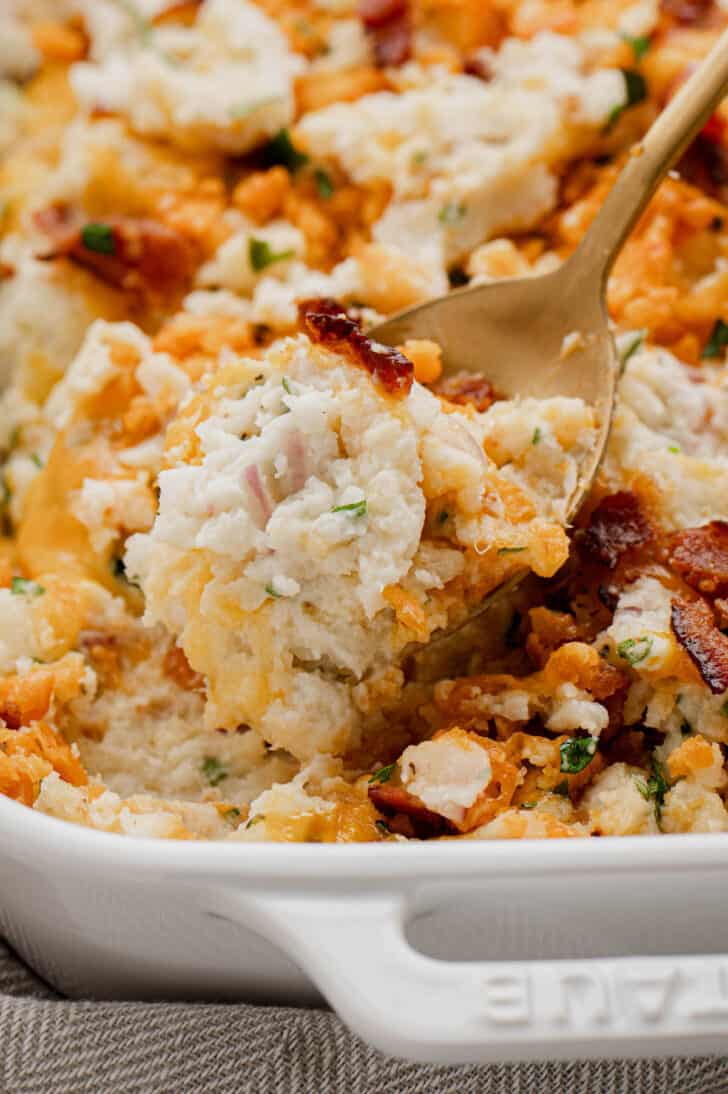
230	522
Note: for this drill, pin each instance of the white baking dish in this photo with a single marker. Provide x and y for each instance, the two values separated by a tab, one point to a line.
447	952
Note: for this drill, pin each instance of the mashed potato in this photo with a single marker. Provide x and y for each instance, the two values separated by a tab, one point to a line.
231	523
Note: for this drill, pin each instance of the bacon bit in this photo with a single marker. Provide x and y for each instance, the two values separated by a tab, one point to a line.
700	556
629	747
467	389
390	25
695	629
616	526
705	163
480	68
178	668
688	12
147	255
406	815
325	321
376	13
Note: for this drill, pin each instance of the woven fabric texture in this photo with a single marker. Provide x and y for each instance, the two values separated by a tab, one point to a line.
51	1046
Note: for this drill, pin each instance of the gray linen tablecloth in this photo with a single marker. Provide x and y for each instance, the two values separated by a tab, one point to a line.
51	1046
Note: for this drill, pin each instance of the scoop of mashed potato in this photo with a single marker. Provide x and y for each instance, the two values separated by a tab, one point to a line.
313	525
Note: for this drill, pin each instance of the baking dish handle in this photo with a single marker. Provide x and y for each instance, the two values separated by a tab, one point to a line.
411	1005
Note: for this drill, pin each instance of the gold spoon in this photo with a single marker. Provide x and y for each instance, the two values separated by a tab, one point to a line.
549	335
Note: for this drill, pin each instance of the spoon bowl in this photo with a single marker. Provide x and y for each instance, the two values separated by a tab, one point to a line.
532	337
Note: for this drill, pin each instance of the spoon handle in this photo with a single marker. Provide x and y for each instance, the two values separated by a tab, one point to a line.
649	162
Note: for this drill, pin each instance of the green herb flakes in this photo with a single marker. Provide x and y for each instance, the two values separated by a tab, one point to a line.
36	459
576	754
630	349
635	650
99	238
213	770
718	341
654	788
510	550
231	815
383	828
536	438
281	150
287	385
383	775
452	212
354	509
271	592
20	586
261	256
528	805
674	448
640	44
636	91
562	789
255	820
324	185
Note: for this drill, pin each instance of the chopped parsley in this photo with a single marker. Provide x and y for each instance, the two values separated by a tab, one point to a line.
354	508
20	586
281	150
324	185
271	592
536	436
213	770
287	385
718	340
631	349
231	815
255	820
383	827
674	448
452	212
99	238
420	157
654	788
36	459
510	550
383	775
528	805
640	44
635	650
260	254
562	789
636	90
576	754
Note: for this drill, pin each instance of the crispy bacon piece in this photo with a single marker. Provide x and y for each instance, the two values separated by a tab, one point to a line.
688	12
376	13
695	628
466	389
616	526
325	321
700	556
390	25
143	254
406	814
